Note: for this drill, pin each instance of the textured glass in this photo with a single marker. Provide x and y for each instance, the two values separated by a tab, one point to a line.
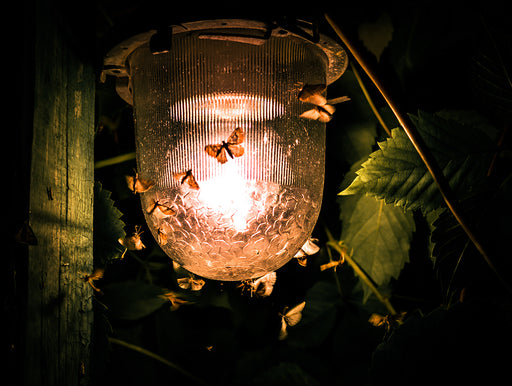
251	214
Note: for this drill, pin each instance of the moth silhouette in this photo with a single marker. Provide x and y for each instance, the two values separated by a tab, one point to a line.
261	287
162	237
160	210
232	147
309	248
290	317
26	235
188	178
323	109
137	184
133	242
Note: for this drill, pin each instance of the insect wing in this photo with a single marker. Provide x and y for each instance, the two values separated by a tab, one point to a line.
196	284
335	101
188	178
162	237
309	247
313	94
265	284
137	184
191	181
313	114
236	150
217	151
324	114
184	282
294	315
282	332
236	137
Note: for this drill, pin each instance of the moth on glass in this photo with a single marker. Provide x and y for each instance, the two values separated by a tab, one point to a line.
323	109
312	93
232	147
187	178
290	317
160	210
137	184
25	235
133	242
309	248
96	275
319	113
161	237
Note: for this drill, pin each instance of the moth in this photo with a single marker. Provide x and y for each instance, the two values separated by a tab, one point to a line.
133	242
137	184
25	235
389	321
323	109
188	178
161	237
290	317
232	147
96	275
160	210
309	248
175	300
261	287
191	283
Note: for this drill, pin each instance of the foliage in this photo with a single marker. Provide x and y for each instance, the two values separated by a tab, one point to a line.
406	249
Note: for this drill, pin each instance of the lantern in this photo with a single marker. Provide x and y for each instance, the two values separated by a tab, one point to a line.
231	170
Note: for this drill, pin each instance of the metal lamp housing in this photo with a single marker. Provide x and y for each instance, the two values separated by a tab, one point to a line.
206	81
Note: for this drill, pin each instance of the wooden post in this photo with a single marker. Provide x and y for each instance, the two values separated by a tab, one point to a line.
58	329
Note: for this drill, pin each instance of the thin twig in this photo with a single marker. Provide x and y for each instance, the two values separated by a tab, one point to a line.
369	99
423	151
114	160
360	272
158	358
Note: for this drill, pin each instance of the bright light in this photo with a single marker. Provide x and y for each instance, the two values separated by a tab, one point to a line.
230	195
229	106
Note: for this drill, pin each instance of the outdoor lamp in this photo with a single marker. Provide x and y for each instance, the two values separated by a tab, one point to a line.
230	170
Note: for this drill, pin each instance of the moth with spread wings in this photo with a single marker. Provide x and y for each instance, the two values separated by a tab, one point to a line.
188	178
323	109
232	147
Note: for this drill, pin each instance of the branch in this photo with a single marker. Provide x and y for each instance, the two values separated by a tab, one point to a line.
141	350
423	151
357	269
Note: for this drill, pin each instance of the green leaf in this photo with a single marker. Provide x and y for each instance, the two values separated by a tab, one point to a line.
379	235
284	374
132	300
376	35
318	316
108	227
397	174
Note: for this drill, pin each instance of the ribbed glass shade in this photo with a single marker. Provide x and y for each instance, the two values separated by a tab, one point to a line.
247	214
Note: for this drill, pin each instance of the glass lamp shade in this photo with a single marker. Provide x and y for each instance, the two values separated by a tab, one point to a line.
238	174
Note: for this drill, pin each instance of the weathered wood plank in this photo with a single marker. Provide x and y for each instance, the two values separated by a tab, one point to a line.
59	304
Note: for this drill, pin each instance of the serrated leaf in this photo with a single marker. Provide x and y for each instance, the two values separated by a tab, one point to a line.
108	227
397	174
318	316
376	35
132	300
379	235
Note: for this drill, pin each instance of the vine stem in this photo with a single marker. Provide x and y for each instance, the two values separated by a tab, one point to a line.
423	151
158	358
332	243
